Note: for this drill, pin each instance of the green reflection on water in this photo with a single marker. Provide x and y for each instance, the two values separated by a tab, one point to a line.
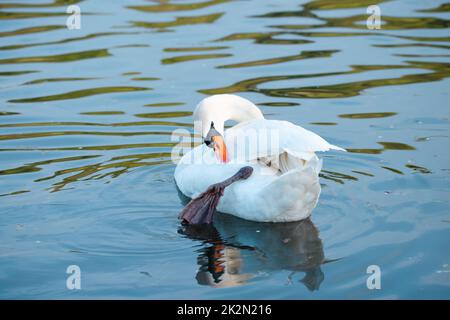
269	37
301	56
396	146
411	45
78	123
444	7
55	3
363	173
440	70
16	73
39	81
358	22
133	73
324	123
179	21
190	49
30	30
279	104
336	176
6	113
145	79
392	170
368	115
194	57
12	15
263	38
66	57
167	7
341	4
173	114
100	148
76	133
33	167
386	146
79	94
63	41
418	168
164	104
102	113
14	193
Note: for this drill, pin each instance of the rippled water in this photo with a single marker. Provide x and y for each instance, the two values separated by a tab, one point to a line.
85	126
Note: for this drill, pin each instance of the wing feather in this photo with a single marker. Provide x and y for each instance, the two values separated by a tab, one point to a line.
256	139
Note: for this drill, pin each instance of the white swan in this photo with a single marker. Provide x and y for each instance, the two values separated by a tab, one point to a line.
284	185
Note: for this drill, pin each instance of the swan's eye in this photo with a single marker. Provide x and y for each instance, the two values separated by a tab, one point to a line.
208	142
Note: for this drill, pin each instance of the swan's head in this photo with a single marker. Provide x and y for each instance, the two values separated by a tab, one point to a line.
215	141
212	112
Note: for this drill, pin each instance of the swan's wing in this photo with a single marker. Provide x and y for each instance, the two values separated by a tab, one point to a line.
270	138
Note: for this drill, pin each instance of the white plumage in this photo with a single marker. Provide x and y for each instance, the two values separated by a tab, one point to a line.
284	185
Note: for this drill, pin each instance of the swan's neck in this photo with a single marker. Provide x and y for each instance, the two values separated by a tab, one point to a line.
223	107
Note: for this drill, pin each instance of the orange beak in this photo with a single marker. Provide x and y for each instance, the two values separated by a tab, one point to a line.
220	148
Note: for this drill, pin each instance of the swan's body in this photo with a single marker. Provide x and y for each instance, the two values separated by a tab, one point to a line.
284	185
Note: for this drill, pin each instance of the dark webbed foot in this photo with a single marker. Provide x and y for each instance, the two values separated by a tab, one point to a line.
201	209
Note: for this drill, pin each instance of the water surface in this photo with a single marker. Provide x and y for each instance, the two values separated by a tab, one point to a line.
86	176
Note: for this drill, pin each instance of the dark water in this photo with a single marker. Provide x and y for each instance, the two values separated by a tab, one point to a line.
85	139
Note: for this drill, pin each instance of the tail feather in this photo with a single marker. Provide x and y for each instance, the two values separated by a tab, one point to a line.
293	195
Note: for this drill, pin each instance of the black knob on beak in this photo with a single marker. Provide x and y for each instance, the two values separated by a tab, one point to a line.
209	137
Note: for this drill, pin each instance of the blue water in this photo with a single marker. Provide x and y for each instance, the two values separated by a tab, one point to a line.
86	176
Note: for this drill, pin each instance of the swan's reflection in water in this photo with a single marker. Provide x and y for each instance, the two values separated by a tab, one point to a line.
237	250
